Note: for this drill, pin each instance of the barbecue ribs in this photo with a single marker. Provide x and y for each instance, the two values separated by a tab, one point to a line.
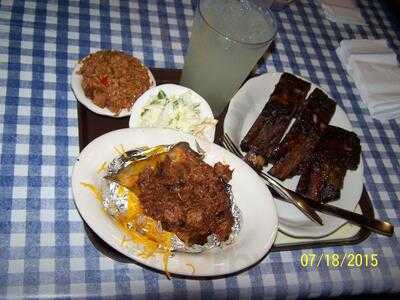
303	136
268	129
337	151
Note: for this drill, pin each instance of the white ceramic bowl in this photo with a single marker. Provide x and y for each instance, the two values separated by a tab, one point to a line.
76	85
171	89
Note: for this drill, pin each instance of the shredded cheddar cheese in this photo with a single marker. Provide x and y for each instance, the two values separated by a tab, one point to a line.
146	231
166	256
140	229
102	168
124	240
94	190
156	150
191	267
121	150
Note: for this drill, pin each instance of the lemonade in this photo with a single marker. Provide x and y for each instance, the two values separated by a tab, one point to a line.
227	39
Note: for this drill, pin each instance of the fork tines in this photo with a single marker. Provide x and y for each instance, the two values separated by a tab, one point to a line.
230	145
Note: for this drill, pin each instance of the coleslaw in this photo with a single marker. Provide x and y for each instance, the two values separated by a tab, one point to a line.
179	112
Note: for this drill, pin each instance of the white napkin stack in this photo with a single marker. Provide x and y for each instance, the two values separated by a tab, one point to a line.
342	11
375	71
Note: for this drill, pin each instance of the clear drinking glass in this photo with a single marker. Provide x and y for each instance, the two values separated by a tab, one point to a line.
228	38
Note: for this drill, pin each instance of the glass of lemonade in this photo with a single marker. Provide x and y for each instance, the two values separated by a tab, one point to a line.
228	38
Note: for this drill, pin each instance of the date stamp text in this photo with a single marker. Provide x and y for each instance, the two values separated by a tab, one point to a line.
342	260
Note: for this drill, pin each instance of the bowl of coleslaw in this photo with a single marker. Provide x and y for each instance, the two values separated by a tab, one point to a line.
176	107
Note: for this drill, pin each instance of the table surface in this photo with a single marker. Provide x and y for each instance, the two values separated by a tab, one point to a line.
43	248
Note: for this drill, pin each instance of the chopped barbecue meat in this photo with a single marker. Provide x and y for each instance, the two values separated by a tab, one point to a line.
223	172
271	124
337	151
303	136
188	196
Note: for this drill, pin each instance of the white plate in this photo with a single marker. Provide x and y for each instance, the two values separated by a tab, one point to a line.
243	110
260	220
172	89
76	85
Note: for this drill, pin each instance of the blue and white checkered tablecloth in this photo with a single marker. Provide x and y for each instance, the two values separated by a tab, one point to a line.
44	251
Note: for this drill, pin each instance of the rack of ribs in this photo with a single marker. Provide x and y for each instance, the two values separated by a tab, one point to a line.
337	151
303	136
268	129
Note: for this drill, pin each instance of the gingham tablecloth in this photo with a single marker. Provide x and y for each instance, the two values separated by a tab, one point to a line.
44	251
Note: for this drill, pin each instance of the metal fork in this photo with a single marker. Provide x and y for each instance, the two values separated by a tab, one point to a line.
285	193
307	205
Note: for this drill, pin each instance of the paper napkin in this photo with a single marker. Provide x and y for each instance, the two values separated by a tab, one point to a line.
376	74
342	11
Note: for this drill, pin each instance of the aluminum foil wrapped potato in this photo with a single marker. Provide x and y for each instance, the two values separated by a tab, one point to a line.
168	193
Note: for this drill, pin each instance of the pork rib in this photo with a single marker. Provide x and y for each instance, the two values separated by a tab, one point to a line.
303	136
337	151
271	124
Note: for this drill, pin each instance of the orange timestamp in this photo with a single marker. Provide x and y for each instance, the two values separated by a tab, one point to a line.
336	260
